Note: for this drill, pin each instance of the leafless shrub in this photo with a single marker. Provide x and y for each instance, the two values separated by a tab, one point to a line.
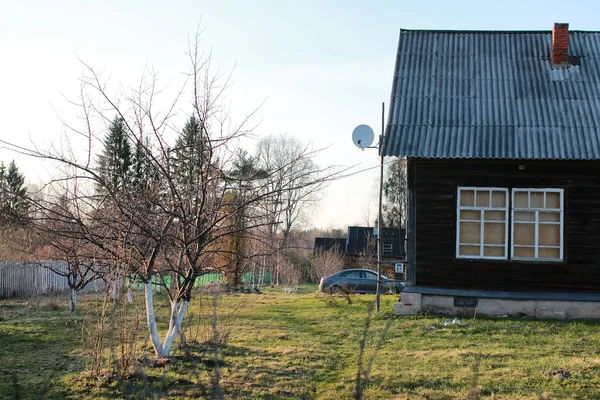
341	292
290	275
130	329
327	263
95	329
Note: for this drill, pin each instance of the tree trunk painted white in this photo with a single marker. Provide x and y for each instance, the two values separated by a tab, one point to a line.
73	301
174	325
178	309
113	291
152	330
129	296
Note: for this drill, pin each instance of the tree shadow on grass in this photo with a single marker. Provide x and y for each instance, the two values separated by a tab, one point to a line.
35	355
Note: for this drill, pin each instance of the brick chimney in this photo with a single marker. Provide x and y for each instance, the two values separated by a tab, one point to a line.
560	45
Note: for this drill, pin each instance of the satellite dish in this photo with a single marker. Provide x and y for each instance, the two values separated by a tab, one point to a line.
363	136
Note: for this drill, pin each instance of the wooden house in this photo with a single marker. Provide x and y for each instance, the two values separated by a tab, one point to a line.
359	248
501	131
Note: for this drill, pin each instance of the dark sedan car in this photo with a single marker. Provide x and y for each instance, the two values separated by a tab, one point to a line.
358	281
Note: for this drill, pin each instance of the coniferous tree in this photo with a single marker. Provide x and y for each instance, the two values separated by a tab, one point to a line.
13	195
115	161
242	178
191	154
143	172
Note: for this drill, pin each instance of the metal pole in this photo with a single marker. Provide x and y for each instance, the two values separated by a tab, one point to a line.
378	295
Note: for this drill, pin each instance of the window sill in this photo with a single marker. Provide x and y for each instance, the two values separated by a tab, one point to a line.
508	261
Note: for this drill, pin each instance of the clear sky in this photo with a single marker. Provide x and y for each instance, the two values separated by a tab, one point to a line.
323	67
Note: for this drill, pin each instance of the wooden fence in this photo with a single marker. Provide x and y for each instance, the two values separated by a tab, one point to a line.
18	279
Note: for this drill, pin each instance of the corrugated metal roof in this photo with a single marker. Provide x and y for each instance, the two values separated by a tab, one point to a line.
478	94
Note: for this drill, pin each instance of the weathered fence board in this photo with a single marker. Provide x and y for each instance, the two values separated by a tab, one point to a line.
19	279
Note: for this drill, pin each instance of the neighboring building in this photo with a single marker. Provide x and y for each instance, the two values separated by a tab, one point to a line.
360	248
501	133
329	244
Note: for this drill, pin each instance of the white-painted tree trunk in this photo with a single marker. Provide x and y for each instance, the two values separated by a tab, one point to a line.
73	301
178	309
152	330
129	296
114	290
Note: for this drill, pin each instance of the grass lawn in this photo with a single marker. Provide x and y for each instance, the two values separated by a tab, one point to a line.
297	346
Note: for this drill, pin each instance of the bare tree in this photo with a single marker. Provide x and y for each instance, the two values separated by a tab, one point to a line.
395	191
166	224
290	273
65	251
327	263
367	257
291	168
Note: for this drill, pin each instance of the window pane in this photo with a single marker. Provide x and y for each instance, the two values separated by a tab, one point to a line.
521	200
553	200
470	232
483	198
494	233
528	252
552	216
524	215
524	234
499	199
536	200
468	250
549	235
470	214
494	215
549	253
493	251
467	198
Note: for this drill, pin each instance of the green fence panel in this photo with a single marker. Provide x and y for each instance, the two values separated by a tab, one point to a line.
202	280
248	278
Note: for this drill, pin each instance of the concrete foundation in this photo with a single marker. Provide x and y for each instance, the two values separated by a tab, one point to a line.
414	303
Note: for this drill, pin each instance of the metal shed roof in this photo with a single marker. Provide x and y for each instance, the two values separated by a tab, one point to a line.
492	94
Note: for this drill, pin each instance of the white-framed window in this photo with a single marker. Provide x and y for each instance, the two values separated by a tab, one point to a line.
537	224
482	223
388	248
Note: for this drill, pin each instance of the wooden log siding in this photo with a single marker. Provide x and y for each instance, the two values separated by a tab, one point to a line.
435	184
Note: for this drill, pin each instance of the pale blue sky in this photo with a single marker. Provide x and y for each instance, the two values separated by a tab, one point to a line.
322	66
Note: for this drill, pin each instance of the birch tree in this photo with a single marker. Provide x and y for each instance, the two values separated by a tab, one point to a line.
291	168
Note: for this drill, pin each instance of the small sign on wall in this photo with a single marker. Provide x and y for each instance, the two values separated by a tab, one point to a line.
399	268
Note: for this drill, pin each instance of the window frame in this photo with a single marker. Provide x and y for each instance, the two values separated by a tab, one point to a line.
536	223
482	221
387	248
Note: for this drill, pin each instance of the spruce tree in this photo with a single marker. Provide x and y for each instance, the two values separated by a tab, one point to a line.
13	195
115	161
143	172
191	155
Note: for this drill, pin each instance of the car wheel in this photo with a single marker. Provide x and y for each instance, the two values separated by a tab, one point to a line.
335	289
396	291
